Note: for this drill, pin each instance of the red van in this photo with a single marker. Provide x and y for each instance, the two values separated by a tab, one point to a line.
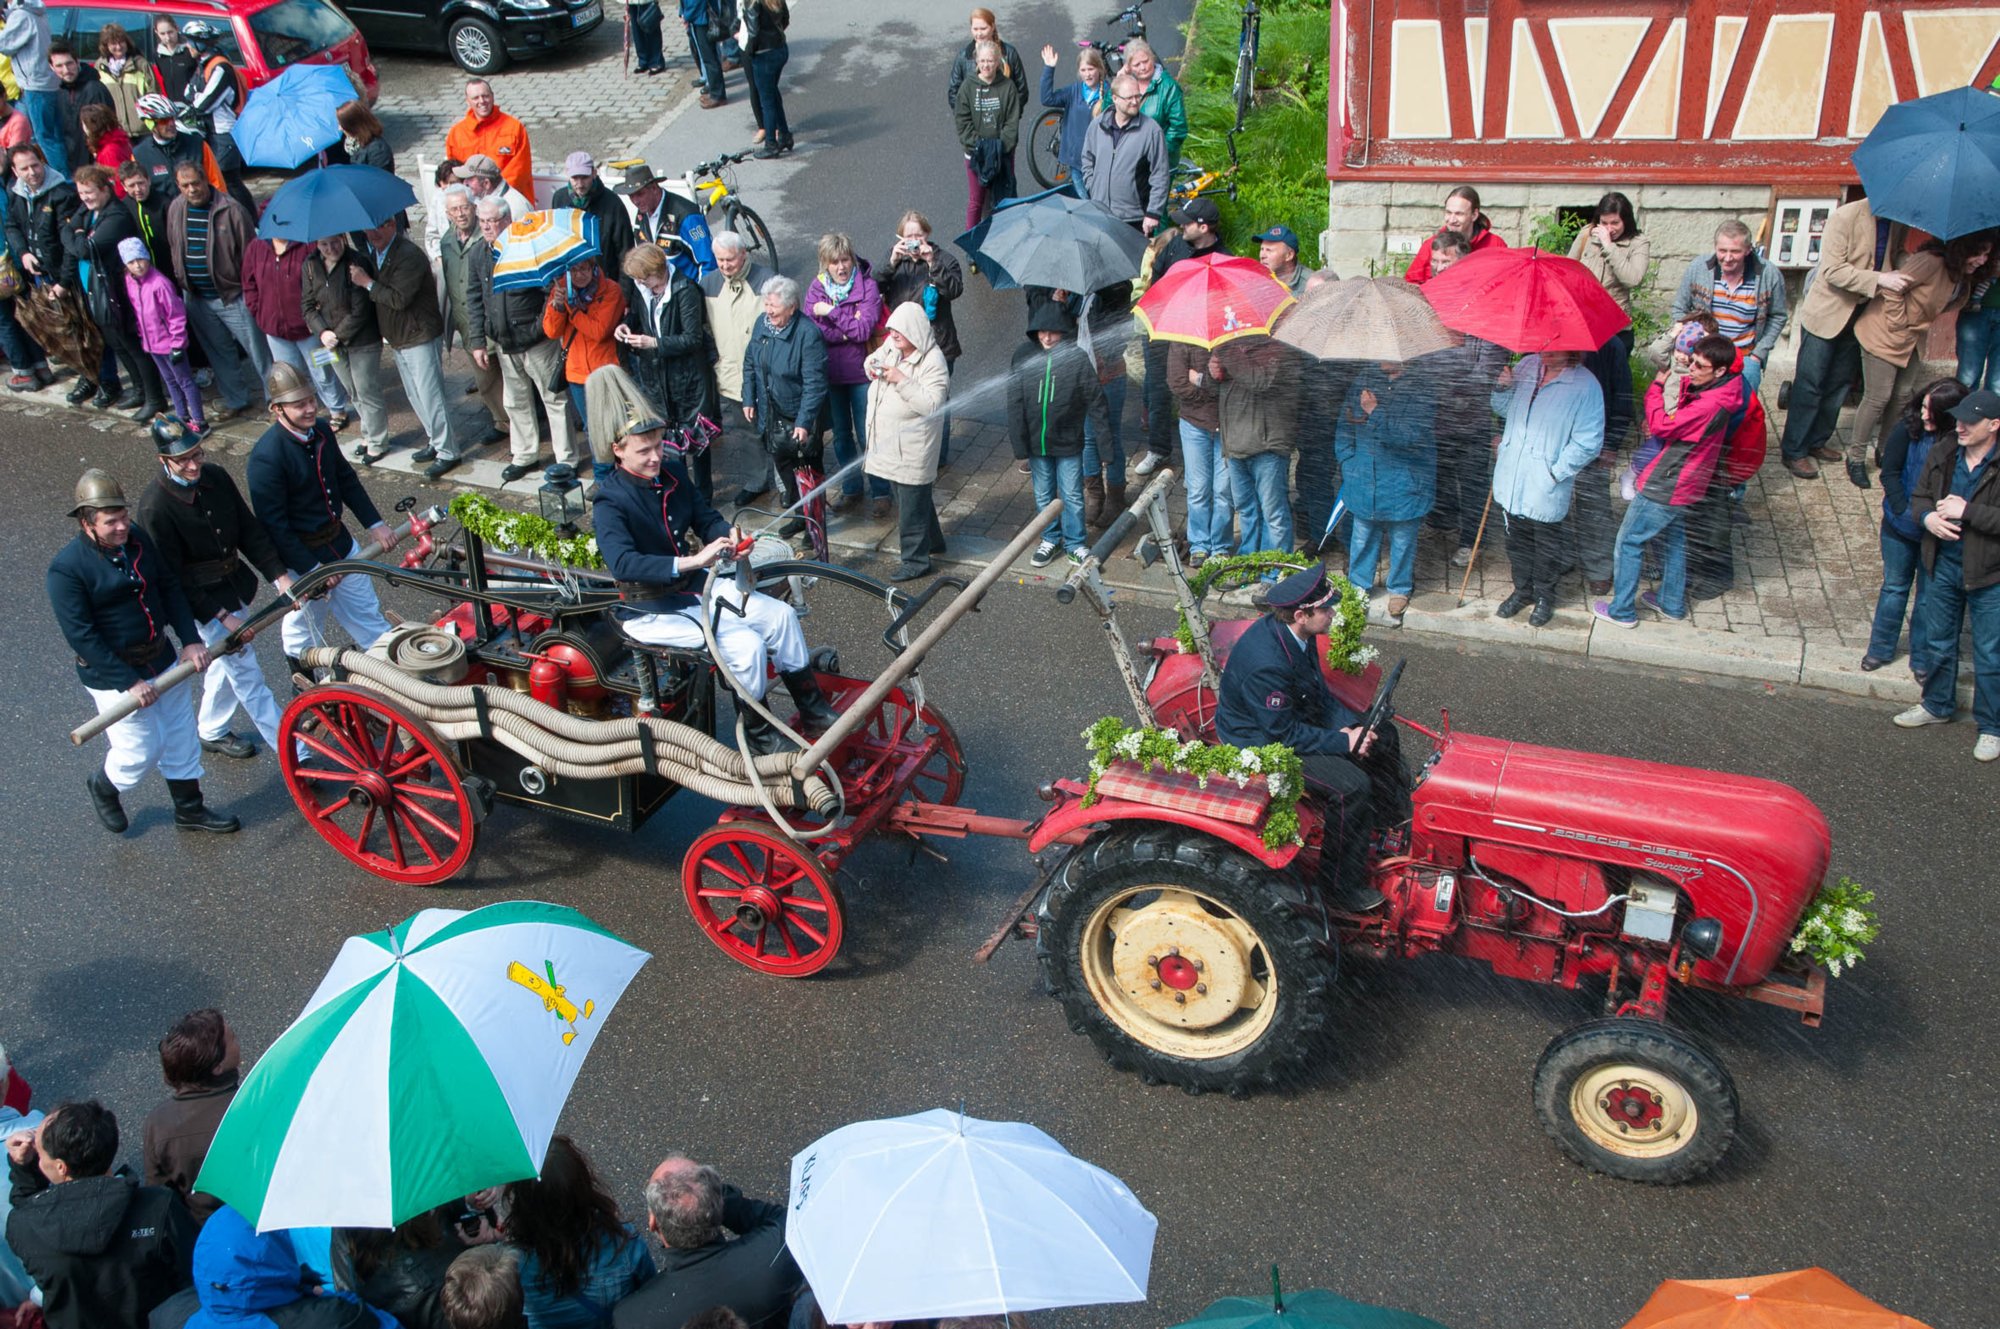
260	36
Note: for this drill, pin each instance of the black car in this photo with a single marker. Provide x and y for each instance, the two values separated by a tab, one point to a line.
481	35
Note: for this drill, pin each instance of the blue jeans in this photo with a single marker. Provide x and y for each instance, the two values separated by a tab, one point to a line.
707	61
45	113
1644	520
1094	461
1902	573
1979	348
1260	486
1210	515
1946	603
847	412
1364	548
19	347
1062	475
765	66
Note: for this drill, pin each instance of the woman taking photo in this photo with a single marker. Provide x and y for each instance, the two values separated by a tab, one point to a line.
907	386
922	272
1926	425
764	24
1079	103
1893	324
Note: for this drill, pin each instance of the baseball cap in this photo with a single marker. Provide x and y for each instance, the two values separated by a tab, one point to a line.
1198	210
1981	405
478	165
579	163
1284	235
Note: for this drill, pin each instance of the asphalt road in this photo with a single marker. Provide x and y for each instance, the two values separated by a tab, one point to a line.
1408	1170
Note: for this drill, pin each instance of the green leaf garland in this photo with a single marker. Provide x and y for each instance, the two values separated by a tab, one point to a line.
524	533
1344	648
1111	739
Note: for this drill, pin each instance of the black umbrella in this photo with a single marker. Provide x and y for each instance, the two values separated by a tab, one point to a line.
1056	240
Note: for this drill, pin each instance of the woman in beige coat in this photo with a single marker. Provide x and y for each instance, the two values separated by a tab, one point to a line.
1892	328
907	383
1614	250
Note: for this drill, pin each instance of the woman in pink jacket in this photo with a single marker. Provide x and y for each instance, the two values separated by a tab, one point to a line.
163	329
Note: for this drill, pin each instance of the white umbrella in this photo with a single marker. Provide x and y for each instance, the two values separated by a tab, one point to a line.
940	1214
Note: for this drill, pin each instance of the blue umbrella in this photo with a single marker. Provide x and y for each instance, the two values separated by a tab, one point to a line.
291	118
334	200
1934	163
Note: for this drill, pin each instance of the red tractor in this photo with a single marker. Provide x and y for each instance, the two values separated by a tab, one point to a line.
1190	952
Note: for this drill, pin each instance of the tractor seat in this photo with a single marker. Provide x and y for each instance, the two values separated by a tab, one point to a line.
1131	782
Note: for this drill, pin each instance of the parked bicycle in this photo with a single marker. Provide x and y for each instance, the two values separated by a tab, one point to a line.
1046	133
1244	88
1192	181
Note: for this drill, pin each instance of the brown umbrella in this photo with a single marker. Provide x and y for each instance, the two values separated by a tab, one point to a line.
1365	318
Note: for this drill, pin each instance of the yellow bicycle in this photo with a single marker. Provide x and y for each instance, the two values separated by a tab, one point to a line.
711	186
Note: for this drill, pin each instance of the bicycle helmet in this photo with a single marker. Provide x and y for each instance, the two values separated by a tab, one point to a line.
153	106
201	32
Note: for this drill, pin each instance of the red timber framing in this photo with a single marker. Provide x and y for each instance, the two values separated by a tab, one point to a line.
1359	146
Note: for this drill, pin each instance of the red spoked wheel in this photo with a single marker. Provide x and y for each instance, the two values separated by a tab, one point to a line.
376	784
763	900
941	779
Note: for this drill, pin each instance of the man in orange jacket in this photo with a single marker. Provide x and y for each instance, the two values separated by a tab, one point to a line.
488	130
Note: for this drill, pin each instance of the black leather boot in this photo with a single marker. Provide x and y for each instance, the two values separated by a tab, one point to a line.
105	796
815	711
191	814
762	735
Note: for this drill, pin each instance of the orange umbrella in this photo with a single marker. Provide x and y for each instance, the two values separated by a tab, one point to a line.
1802	1299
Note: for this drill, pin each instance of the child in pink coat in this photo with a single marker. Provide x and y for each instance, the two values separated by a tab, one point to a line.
163	329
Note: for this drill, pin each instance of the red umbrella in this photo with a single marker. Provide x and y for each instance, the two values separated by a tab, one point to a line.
1209	300
1525	300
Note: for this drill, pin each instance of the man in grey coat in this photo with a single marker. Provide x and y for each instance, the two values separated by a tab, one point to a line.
1125	159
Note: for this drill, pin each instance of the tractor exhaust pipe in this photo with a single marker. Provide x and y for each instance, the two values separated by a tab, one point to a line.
858	713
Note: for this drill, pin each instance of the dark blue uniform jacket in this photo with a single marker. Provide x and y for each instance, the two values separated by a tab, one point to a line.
114	608
1273	692
300	489
643	526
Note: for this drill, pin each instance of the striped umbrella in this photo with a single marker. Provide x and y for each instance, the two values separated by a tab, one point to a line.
1213	299
535	250
433	1061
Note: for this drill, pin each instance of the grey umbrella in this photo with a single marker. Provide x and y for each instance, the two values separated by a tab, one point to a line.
1057	240
1365	318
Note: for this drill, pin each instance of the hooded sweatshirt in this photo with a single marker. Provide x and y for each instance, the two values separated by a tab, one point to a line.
1052	392
905	428
87	89
24	39
35	219
247	1280
105	1250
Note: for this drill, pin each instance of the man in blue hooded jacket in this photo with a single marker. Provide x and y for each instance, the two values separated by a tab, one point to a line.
244	1279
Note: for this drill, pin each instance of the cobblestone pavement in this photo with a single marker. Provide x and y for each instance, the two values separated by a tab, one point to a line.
579	98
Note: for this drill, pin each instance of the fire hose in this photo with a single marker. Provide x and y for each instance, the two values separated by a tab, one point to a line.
581	749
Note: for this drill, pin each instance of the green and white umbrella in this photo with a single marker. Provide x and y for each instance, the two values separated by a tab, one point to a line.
433	1060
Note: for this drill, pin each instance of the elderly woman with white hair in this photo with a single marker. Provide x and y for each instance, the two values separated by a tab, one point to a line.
785	386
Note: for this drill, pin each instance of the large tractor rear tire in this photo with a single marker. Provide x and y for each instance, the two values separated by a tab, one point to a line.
1185	960
1636	1099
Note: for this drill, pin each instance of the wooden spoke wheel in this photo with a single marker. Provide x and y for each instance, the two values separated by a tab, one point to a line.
762	899
941	779
376	784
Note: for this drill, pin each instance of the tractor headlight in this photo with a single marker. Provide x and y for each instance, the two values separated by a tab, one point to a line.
1702	937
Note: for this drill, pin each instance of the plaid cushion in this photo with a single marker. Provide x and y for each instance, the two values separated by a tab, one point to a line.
1163	788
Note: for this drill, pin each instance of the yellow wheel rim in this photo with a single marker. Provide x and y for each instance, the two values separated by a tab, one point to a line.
1633	1111
1178	972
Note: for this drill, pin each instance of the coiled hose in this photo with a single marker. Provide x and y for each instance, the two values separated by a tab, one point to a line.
579	749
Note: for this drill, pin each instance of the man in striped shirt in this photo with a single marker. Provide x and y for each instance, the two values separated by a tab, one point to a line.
1745	294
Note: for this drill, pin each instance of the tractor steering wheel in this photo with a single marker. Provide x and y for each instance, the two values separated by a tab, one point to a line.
1381	709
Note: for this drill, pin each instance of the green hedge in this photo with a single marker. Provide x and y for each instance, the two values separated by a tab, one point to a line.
1283	143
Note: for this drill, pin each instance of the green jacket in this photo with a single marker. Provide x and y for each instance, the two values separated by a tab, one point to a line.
1164	103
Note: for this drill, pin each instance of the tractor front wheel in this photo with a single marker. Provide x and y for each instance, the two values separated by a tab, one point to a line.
1185	960
1636	1100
